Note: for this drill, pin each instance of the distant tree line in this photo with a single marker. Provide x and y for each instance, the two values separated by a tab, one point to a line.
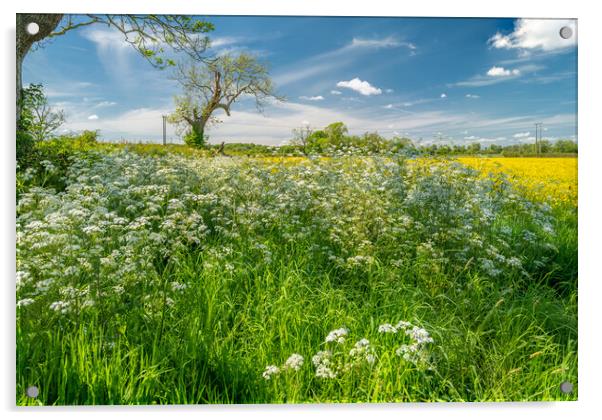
335	137
546	147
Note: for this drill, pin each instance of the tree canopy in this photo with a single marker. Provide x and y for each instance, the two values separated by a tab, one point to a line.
154	36
217	85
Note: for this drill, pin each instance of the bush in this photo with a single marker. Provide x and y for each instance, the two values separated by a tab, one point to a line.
45	163
195	139
25	146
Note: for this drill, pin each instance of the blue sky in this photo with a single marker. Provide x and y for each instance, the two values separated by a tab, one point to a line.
431	79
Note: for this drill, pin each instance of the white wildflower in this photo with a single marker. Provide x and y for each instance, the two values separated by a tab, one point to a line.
321	357
387	328
60	306
337	335
270	371
24	302
363	349
403	325
420	335
294	362
325	372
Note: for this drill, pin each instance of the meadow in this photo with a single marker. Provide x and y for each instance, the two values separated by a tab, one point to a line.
175	278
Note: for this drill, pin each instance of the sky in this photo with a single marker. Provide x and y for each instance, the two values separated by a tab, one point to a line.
434	80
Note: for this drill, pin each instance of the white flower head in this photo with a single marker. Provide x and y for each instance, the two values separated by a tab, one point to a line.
294	362
403	325
321	358
270	371
24	302
387	329
419	335
363	350
325	372
60	306
337	335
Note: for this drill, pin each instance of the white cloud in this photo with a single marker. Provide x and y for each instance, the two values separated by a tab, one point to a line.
536	34
335	92
105	104
224	41
361	86
107	39
389	106
500	71
443	96
388	42
471	138
312	98
498	74
521	135
471	96
115	54
93	117
389	91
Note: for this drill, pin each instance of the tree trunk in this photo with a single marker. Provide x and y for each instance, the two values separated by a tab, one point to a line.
198	128
47	23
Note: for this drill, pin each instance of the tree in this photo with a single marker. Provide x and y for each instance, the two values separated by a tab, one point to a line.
336	133
218	85
301	137
565	146
38	118
474	148
148	34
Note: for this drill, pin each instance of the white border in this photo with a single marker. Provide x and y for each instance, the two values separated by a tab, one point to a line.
590	140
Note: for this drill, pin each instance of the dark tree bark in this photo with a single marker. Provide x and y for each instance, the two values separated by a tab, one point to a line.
47	23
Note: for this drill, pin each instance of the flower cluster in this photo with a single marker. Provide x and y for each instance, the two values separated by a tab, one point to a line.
363	350
416	351
294	363
270	371
337	336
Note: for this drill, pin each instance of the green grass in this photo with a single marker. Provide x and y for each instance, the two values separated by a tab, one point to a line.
495	339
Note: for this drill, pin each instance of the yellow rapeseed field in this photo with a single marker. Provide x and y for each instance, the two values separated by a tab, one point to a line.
550	179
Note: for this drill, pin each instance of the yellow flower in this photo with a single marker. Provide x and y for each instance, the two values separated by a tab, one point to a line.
547	179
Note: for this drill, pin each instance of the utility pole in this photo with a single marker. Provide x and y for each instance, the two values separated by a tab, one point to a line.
537	137
164	129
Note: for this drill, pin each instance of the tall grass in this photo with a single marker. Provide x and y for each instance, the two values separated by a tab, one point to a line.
175	309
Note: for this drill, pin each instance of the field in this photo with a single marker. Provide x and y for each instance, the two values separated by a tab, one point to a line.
175	279
545	179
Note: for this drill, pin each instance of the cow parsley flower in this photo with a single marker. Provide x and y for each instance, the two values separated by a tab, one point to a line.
321	357
403	325
363	350
270	371
294	362
387	328
337	336
60	306
24	302
325	372
420	335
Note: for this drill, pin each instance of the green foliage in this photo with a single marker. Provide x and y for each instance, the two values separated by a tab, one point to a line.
25	146
37	117
176	279
195	138
31	96
47	162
